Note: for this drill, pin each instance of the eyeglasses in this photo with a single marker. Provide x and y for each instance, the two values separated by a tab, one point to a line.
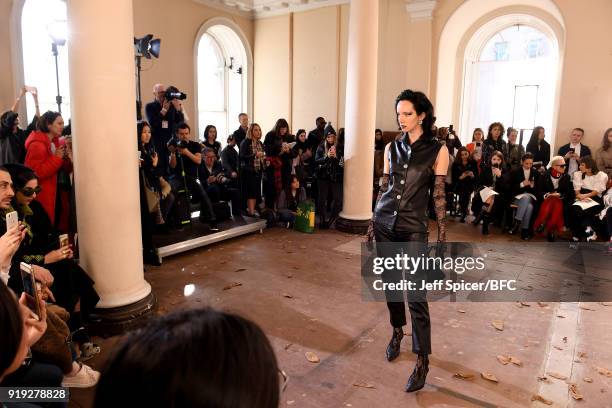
283	380
561	165
29	192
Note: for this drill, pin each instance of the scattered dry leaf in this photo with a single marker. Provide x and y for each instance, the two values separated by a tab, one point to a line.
604	371
460	310
586	308
516	361
489	376
287	295
290	402
542	304
498	324
240	270
289	276
540	398
573	389
565	339
463	376
288	345
223	262
582	354
302	246
503	359
558	347
363	385
605	303
544	378
588	379
232	285
312	357
525	304
558	376
561	316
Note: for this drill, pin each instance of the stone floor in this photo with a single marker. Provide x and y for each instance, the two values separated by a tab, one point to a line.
304	290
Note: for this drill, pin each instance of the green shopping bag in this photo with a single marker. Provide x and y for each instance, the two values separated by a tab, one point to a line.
305	216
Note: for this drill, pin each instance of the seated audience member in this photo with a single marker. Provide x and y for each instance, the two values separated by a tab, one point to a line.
475	147
514	151
193	358
488	202
12	138
216	182
603	156
379	143
589	185
47	155
539	147
252	166
574	151
524	193
302	157
163	115
329	174
210	140
230	162
20	330
185	158
558	193
606	214
493	142
149	164
279	155
450	139
240	133
464	177
288	201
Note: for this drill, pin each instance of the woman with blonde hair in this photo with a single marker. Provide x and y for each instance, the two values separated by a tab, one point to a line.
252	165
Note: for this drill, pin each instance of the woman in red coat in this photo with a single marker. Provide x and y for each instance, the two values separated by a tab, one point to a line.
47	156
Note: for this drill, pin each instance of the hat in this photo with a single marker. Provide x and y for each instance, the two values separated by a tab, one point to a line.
329	130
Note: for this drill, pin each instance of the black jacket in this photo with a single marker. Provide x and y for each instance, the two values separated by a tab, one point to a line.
468	182
204	173
247	156
239	135
329	168
584	151
566	187
315	137
517	177
229	159
540	151
161	135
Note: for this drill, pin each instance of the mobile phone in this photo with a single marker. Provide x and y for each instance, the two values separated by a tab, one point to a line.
450	129
478	144
12	219
139	155
29	288
572	149
63	240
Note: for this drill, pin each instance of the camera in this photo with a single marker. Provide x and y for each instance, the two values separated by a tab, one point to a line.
172	93
174	142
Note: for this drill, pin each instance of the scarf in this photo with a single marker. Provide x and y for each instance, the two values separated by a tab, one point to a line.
554	173
258	163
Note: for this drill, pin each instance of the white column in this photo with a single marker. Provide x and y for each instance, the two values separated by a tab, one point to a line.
103	103
360	114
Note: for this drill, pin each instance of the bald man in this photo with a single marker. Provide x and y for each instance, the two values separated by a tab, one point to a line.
163	116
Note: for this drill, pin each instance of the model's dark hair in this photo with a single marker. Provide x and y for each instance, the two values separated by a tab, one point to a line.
182	125
378	131
281	123
421	105
526	156
11	328
498	154
140	125
605	144
490	132
20	175
46	119
192	358
207	131
589	163
299	132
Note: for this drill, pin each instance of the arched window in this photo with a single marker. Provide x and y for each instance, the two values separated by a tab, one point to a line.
513	80
40	20
222	80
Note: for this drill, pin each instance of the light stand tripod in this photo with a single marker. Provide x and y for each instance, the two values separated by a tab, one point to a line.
58	98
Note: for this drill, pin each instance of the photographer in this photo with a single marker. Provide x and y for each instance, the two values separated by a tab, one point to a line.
449	137
185	157
164	113
217	183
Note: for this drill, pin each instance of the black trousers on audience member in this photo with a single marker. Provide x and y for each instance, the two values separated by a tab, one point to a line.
329	188
581	219
194	187
419	311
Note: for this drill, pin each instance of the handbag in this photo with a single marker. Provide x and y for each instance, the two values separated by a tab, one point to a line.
165	187
152	196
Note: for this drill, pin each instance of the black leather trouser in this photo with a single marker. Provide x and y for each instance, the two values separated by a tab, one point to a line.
419	311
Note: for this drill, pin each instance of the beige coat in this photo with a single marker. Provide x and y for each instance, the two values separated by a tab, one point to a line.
604	161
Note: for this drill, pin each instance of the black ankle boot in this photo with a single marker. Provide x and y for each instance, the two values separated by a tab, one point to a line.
515	227
485	224
478	218
419	375
393	349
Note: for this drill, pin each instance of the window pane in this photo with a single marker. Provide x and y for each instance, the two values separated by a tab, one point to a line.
211	79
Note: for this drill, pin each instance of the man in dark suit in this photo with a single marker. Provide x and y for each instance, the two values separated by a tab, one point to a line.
240	133
163	116
216	182
574	150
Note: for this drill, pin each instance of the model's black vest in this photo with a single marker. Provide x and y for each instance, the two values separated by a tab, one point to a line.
404	206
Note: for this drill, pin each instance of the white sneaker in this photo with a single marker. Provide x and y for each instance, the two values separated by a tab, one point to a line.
84	378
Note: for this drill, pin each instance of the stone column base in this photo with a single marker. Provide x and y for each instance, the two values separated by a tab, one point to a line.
117	320
359	227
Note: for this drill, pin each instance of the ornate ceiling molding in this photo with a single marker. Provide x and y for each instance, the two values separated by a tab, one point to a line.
420	9
267	8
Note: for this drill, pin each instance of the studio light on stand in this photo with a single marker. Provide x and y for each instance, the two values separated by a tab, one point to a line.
58	31
148	48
